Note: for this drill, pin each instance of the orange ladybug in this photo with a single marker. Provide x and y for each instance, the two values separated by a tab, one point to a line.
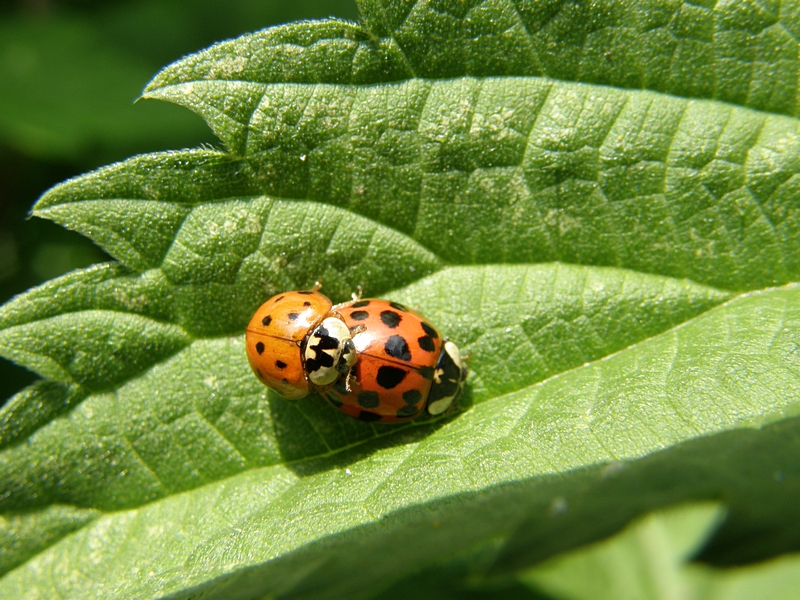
404	366
297	342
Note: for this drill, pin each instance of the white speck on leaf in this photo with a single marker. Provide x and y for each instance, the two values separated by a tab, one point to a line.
558	506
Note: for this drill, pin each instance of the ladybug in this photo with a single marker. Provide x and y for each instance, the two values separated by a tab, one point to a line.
404	366
373	359
297	342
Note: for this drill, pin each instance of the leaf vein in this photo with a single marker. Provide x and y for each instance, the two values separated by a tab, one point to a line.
124	436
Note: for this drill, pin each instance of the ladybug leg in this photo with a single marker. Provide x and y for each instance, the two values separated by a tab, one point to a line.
354	331
343	384
357	294
348	388
465	358
317	285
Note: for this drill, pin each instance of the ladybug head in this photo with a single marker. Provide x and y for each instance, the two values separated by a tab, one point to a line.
448	379
329	352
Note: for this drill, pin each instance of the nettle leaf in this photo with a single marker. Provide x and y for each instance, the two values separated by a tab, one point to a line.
661	543
183	540
618	568
599	204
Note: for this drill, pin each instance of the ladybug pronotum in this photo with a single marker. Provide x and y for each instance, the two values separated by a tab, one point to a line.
374	360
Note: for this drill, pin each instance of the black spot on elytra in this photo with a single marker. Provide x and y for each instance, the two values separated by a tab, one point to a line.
426	372
390	377
397	347
368	400
368	416
412	396
280	364
266	321
279	298
399	307
407	411
390	318
285	381
293	316
260	374
306	303
306	292
426	343
260	347
359	315
360	304
430	330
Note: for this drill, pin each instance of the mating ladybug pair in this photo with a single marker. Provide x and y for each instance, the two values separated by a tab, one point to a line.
373	359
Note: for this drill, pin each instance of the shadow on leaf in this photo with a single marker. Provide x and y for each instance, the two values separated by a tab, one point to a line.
313	436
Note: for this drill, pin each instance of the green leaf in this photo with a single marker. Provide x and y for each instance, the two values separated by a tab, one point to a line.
565	305
778	579
735	52
145	444
496	170
648	561
643	562
505	530
616	253
34	407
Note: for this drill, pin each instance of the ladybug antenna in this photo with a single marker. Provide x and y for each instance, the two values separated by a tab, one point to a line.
317	285
357	294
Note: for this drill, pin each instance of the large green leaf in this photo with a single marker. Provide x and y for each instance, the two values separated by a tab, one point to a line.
619	261
144	447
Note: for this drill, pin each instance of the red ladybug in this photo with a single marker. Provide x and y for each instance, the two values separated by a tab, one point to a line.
404	368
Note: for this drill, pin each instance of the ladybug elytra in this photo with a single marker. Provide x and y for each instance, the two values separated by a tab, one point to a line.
296	342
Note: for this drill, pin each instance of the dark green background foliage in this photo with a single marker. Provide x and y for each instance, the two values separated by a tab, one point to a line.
599	202
71	71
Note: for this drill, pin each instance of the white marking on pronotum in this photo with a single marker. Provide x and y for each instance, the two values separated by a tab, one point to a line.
330	338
